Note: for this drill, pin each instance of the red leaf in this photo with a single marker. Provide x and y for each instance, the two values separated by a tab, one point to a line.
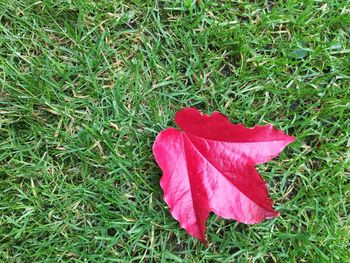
209	165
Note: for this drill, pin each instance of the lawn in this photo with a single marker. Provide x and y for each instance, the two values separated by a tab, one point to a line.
85	86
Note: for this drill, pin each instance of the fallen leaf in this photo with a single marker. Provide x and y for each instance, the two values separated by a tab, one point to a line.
209	165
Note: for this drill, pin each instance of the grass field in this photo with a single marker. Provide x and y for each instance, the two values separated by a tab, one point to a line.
85	86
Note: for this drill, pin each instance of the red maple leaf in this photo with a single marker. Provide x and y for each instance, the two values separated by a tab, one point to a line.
209	165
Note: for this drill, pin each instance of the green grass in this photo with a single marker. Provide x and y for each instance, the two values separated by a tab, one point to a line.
85	86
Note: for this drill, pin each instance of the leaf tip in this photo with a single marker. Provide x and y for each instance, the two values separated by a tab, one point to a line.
273	214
